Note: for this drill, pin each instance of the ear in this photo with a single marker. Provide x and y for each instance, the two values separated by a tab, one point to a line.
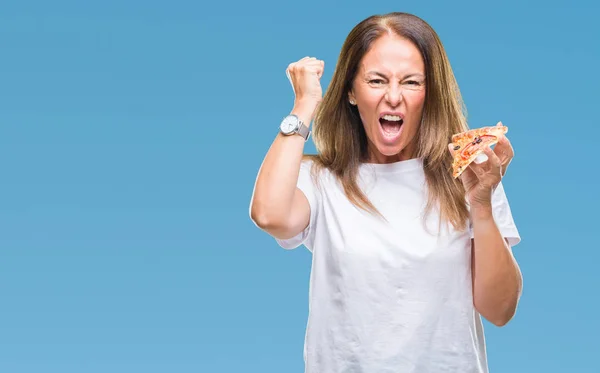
351	98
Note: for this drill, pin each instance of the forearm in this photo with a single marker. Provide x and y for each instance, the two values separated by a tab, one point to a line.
278	175
497	281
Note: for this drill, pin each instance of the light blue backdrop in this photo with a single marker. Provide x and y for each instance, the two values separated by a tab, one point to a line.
131	133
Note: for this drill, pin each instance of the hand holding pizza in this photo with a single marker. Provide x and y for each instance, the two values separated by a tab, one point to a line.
480	179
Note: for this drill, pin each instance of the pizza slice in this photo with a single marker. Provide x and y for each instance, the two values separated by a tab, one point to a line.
470	144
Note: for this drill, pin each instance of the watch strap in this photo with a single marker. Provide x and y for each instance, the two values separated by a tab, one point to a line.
303	130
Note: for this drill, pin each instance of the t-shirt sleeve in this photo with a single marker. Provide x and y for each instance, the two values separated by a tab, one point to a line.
503	216
308	187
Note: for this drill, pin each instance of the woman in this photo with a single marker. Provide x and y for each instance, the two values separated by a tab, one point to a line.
405	257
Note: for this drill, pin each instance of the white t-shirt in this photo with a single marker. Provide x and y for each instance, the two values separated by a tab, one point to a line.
389	297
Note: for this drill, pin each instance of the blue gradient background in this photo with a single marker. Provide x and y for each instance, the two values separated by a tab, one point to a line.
131	133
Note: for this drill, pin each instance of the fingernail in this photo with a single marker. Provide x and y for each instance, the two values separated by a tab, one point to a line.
481	158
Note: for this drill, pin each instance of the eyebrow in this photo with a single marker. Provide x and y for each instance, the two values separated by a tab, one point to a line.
413	75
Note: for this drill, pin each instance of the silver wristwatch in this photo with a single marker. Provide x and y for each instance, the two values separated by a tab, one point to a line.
291	125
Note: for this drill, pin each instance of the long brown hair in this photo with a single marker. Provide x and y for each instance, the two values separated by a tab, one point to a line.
339	135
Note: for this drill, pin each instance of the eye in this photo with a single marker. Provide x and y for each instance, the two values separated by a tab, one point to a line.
376	81
415	85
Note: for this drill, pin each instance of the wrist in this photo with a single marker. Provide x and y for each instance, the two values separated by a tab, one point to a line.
481	212
305	111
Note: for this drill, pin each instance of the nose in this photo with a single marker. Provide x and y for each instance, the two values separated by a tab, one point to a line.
394	95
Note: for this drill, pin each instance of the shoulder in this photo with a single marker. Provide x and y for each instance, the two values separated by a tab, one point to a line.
311	167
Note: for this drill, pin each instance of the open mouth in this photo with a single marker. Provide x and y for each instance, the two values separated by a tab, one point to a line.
391	124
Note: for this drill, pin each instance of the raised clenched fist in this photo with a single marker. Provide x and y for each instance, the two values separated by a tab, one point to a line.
305	75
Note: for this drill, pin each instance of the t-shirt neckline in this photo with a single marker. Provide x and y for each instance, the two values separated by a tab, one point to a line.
406	165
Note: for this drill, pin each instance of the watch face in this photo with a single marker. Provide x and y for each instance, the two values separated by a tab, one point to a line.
289	124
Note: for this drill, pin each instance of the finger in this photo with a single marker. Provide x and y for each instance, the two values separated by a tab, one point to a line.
306	66
490	171
497	168
504	149
490	165
289	77
480	158
505	152
319	71
309	60
290	68
314	68
467	174
301	62
316	64
479	169
493	159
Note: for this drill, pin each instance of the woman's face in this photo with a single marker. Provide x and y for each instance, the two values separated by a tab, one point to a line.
389	91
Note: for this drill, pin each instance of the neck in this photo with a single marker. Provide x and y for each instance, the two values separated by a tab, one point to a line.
376	157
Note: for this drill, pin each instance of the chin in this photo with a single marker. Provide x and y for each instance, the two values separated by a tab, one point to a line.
389	153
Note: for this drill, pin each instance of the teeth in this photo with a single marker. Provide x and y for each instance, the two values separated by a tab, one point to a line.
394	118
